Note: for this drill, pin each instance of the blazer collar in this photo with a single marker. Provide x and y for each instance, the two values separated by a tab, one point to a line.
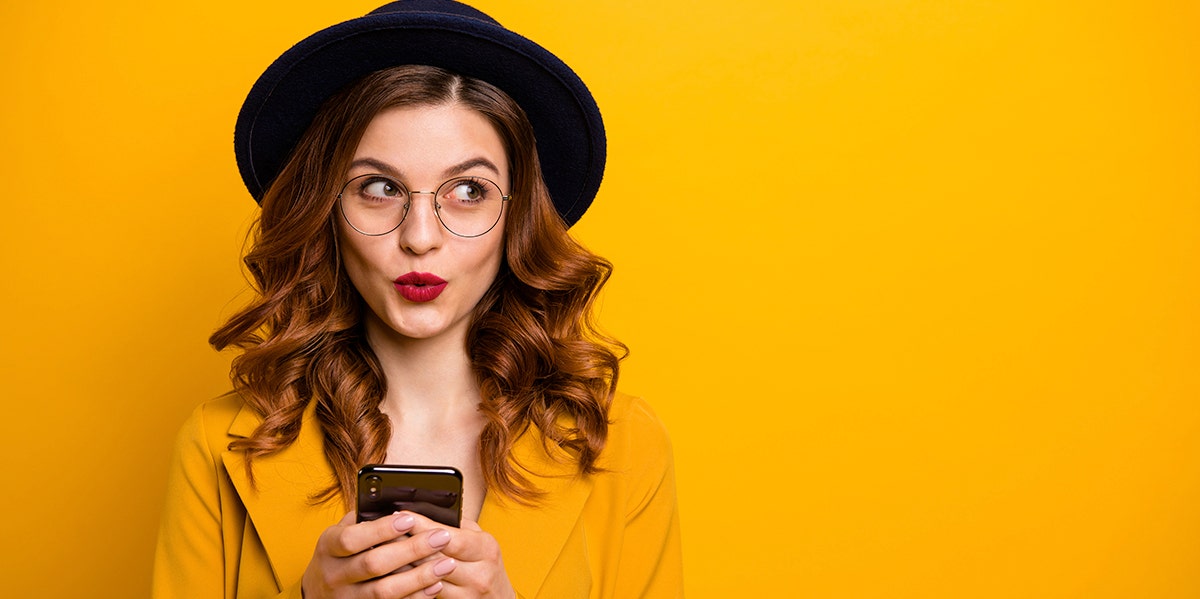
279	504
288	523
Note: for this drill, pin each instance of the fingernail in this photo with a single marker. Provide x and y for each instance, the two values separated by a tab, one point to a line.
434	589
439	539
403	523
444	567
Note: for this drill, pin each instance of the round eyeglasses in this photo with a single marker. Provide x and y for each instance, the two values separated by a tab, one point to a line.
377	204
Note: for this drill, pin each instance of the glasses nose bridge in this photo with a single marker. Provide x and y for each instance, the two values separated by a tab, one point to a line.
430	193
436	208
412	197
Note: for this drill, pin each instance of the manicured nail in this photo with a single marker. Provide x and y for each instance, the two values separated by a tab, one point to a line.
433	589
403	523
445	567
439	539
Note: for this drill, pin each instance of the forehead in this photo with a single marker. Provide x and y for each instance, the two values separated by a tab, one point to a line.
428	141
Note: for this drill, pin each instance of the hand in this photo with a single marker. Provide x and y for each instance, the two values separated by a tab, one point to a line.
365	560
479	571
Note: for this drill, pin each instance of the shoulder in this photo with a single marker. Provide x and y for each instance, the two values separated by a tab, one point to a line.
636	476
632	422
638	447
207	429
222	409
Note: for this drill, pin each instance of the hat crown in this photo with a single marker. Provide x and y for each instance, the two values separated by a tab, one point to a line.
445	7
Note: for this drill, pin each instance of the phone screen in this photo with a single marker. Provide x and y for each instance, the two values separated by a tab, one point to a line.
432	491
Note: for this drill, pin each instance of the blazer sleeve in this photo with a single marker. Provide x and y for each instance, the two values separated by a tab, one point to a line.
189	559
651	563
194	559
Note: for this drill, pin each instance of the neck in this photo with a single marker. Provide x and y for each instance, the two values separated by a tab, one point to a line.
427	379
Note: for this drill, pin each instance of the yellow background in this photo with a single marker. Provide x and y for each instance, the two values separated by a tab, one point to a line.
913	284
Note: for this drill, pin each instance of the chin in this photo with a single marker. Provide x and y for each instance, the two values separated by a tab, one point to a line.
418	329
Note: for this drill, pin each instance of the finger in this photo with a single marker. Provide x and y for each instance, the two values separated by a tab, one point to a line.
422	582
352	539
435	591
423	523
468	544
390	558
471	580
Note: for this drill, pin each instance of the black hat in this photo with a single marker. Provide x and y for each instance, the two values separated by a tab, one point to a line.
441	33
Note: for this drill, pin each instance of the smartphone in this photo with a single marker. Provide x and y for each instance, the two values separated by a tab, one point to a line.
432	491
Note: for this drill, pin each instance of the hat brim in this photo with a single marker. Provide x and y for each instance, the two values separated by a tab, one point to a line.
566	121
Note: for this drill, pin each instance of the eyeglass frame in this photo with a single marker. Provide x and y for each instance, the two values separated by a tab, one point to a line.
436	207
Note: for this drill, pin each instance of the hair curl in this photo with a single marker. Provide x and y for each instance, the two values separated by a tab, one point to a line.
534	346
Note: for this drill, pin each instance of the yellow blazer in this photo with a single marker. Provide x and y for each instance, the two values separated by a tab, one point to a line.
613	534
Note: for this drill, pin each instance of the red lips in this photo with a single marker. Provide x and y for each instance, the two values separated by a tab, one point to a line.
420	286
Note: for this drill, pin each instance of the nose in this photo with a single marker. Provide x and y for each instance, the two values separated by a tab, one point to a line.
421	230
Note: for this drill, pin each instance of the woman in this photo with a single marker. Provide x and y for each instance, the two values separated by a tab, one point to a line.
420	302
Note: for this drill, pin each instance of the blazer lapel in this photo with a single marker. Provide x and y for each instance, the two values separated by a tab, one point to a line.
532	537
278	504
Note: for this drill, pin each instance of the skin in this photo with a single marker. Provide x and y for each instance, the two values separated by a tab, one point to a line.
433	413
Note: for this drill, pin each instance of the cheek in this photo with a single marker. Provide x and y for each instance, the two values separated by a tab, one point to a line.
356	260
494	258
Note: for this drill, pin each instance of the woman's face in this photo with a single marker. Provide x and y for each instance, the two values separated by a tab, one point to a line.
399	273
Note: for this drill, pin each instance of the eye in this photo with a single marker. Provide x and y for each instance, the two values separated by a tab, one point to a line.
380	187
467	191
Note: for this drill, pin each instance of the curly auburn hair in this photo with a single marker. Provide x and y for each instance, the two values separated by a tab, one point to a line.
532	342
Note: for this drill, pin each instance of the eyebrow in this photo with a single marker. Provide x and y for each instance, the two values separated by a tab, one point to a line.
458	169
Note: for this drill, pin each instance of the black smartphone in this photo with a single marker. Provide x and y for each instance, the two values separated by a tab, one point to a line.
432	491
